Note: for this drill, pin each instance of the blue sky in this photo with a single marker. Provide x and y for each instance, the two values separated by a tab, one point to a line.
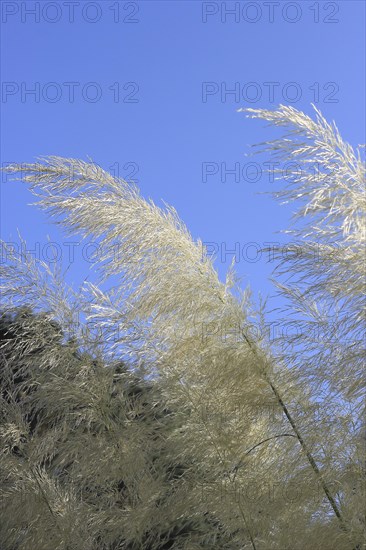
145	86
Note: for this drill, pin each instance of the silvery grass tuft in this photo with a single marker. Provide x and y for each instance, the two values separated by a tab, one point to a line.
272	435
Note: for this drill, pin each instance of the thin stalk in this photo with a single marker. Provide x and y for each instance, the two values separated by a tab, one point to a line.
240	464
247	526
304	446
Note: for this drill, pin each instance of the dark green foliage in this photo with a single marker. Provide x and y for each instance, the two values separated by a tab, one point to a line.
51	434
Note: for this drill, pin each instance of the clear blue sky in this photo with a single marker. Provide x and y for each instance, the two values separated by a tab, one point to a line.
124	83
